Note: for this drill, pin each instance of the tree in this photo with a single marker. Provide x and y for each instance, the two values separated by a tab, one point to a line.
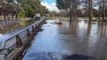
70	6
8	7
32	6
18	7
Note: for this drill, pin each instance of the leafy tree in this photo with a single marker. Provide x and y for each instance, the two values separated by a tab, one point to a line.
32	6
26	8
22	13
68	5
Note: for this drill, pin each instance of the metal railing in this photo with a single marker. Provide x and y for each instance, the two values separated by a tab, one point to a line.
13	47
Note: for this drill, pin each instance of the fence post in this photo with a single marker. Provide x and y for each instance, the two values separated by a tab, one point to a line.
28	33
33	29
18	41
19	57
37	27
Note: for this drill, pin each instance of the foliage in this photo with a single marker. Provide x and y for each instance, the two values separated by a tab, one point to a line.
98	6
22	13
71	6
21	8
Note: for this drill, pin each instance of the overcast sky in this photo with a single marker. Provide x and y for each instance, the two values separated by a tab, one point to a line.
50	4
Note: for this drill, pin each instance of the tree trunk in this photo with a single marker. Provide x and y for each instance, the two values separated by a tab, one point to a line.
103	21
4	15
103	12
16	15
90	12
103	9
90	16
70	15
100	14
70	22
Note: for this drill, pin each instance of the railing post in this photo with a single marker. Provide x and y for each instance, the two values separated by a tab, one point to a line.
33	29
40	25
28	33
18	41
36	27
36	30
19	57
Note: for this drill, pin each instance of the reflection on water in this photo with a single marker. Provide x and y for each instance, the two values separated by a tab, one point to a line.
56	38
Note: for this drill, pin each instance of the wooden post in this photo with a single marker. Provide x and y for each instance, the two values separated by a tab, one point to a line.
28	33
40	25
19	57
33	29
37	25
18	41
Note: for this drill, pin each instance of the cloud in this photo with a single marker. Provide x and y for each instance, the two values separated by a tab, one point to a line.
51	7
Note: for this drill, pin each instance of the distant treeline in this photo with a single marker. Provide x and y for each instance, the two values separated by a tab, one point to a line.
21	8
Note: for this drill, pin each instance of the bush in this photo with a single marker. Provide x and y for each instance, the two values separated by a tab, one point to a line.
22	14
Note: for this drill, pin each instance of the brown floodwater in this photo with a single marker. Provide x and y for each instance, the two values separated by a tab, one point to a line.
56	41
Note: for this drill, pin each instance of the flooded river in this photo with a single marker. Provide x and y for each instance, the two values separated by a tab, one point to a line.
55	42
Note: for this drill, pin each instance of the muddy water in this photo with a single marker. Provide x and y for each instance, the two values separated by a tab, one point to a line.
6	30
55	42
